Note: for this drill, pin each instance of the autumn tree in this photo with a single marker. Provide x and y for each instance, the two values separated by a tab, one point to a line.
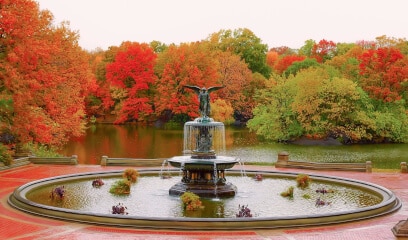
323	50
284	62
245	44
318	103
324	103
282	50
235	75
158	46
384	72
132	72
297	66
222	111
177	66
306	49
271	58
348	63
46	73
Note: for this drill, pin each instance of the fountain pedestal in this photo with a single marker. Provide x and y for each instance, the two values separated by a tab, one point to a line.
203	172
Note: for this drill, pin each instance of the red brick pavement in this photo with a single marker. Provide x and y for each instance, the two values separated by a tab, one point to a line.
18	225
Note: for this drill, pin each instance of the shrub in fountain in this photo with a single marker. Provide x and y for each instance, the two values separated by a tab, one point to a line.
324	191
120	187
119	209
191	201
288	193
303	180
58	192
97	182
320	203
244	211
131	175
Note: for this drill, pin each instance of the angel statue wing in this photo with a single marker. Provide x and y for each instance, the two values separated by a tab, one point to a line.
195	88
211	89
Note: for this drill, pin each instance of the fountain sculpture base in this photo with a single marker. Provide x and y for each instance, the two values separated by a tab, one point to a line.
204	190
203	176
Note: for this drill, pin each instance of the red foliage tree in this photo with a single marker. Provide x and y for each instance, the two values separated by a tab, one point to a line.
323	50
383	71
133	72
283	63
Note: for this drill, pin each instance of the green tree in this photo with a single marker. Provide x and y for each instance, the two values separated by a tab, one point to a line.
297	66
158	46
246	44
306	50
273	116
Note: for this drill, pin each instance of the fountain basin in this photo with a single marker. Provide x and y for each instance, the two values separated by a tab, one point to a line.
186	162
389	203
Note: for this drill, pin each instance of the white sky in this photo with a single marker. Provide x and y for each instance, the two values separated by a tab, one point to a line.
104	23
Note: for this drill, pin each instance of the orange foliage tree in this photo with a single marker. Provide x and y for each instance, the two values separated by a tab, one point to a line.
383	71
132	72
45	71
237	77
186	64
271	58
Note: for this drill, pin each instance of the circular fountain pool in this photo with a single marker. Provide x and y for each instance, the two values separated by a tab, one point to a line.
149	204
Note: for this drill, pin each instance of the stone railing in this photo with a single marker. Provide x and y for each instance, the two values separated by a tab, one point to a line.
17	162
73	160
284	162
136	162
21	161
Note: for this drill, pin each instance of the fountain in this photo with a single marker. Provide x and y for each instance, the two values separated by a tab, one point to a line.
203	172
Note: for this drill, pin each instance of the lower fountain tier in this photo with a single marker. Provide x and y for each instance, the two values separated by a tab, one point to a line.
204	176
190	163
204	190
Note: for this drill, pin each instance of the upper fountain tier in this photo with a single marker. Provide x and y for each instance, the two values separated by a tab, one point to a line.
203	137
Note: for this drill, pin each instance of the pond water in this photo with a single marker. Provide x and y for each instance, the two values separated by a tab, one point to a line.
263	198
134	141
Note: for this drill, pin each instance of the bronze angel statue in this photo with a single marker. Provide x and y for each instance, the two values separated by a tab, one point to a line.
204	98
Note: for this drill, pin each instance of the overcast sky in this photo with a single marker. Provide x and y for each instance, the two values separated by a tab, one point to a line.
104	23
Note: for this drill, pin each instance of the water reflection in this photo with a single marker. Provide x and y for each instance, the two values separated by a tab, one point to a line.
135	141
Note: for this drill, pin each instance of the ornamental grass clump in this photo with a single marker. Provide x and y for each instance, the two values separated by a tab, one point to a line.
303	180
288	193
191	201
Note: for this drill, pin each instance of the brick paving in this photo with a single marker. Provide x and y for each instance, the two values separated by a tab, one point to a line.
18	225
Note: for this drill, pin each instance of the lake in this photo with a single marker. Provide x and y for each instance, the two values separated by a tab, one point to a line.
135	141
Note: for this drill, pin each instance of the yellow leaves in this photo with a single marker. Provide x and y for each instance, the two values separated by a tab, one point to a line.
222	111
